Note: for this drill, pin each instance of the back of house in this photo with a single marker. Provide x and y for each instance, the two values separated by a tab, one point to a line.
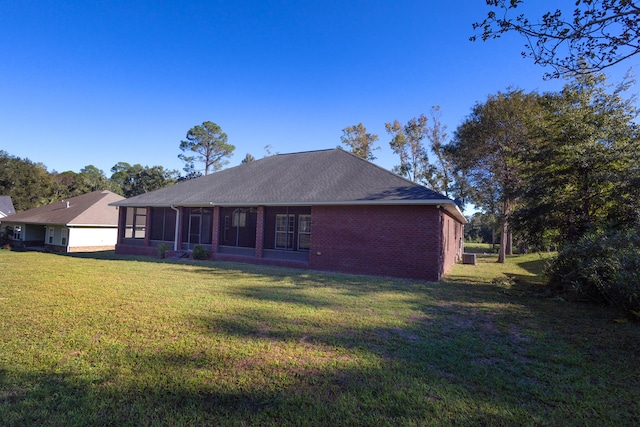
325	210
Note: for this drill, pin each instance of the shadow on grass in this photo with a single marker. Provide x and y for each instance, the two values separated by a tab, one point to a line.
453	353
350	284
332	397
536	267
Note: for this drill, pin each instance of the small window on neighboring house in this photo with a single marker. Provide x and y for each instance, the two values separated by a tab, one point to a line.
17	233
51	234
65	236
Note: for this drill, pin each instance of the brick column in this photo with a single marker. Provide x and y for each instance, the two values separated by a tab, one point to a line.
122	223
215	230
260	232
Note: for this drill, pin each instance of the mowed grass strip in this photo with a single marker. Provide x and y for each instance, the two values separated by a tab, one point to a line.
106	340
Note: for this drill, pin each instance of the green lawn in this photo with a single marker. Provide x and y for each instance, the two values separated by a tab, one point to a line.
109	341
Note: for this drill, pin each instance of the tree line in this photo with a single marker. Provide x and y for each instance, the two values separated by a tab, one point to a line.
30	184
557	170
548	167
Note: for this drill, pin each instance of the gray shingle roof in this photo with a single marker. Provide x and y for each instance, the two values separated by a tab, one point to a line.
6	206
312	177
88	209
308	178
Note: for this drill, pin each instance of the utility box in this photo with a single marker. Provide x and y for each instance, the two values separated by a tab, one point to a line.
469	259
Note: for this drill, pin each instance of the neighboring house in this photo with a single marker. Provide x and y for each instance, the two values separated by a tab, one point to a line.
6	206
323	210
79	224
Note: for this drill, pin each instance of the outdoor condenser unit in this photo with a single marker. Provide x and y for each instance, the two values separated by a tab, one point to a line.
469	259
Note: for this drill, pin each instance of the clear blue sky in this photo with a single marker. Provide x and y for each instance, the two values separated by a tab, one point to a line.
99	82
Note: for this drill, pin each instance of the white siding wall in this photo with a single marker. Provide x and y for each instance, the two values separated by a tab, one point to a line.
82	237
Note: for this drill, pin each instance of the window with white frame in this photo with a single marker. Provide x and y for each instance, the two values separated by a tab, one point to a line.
285	225
17	232
65	236
51	235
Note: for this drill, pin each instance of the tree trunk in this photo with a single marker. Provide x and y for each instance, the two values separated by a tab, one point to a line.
502	251
505	233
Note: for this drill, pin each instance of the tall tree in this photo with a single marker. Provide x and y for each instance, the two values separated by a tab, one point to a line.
248	158
207	144
138	179
583	175
28	183
443	177
407	143
595	35
487	148
90	178
361	143
66	185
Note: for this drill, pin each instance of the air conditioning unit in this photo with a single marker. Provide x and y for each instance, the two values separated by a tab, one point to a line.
469	259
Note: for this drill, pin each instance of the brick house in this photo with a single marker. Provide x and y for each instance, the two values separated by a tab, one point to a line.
80	224
323	210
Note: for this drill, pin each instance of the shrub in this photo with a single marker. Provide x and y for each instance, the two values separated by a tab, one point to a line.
200	252
5	235
162	249
603	267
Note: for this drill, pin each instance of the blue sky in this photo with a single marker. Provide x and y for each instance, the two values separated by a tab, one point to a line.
99	82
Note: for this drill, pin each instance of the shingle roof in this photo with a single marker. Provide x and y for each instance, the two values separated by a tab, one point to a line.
308	178
88	209
6	206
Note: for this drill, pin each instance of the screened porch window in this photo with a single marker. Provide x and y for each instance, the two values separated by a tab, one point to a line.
238	227
163	224
136	223
304	232
197	225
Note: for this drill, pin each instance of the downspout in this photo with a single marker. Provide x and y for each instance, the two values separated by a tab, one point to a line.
175	237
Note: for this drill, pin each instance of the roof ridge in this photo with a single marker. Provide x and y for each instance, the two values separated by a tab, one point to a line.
305	152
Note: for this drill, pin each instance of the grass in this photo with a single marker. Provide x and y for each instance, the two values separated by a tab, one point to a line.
99	340
479	248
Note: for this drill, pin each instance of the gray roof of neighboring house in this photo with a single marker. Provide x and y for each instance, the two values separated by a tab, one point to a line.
6	206
308	178
88	209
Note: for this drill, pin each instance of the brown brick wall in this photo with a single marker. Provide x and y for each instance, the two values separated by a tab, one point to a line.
398	241
419	242
452	233
124	249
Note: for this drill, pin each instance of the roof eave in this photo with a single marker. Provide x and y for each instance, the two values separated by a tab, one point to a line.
448	205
